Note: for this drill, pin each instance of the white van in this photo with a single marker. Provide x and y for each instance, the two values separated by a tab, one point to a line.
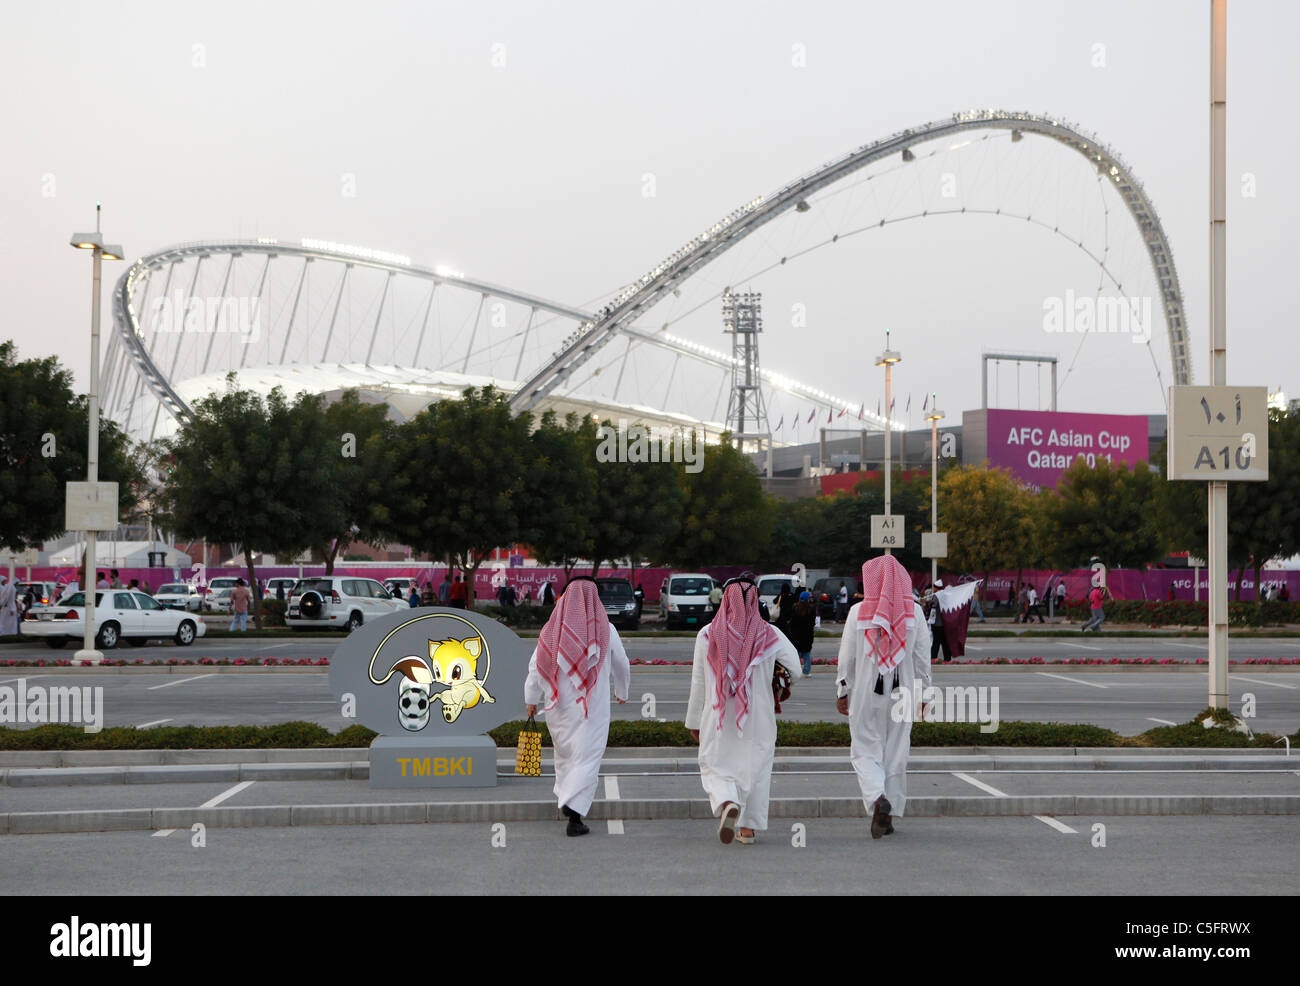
685	600
769	587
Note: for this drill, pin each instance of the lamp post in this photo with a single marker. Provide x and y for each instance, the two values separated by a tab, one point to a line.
95	243
887	359
934	418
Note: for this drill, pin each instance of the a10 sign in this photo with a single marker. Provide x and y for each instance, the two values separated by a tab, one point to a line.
1218	433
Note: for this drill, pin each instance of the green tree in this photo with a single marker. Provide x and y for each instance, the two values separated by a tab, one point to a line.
44	430
562	496
985	512
638	509
255	473
799	534
461	480
1107	510
727	518
363	456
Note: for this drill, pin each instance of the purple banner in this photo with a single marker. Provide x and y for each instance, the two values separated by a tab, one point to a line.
1037	446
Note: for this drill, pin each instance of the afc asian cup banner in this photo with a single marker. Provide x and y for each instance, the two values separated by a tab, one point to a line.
1038	446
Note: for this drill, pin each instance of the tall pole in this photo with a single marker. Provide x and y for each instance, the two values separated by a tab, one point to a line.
88	654
1218	490
887	359
934	489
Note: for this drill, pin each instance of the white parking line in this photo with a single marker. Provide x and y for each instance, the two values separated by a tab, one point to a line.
980	784
163	833
612	794
1163	722
156	722
182	681
1059	826
230	793
1260	681
1081	646
28	677
274	646
1175	643
1077	681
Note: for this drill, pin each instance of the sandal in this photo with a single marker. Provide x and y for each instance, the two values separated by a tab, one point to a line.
727	823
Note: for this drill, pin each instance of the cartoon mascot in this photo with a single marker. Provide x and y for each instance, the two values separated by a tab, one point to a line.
451	668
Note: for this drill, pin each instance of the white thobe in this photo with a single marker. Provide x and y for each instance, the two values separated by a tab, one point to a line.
734	766
880	746
578	741
8	610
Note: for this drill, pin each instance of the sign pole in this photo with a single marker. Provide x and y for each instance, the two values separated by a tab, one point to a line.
887	359
1218	489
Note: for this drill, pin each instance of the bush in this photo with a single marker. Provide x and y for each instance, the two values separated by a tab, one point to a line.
1187	612
529	617
273	612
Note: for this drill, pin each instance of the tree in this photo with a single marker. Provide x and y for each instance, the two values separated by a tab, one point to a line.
461	479
255	473
562	496
985	511
363	459
727	518
43	437
1107	510
799	534
639	506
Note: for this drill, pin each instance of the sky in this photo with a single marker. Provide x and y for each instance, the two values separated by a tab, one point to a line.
512	141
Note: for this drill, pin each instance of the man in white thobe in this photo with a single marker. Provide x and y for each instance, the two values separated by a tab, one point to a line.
736	725
886	640
8	607
575	704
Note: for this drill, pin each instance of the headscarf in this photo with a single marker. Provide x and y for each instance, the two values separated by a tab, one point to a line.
578	631
886	612
738	638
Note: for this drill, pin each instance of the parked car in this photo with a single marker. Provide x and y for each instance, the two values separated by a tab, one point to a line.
620	603
685	600
825	591
399	588
338	602
769	587
43	593
120	614
179	595
218	600
272	585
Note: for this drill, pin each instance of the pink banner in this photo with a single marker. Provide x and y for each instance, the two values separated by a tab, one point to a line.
1037	446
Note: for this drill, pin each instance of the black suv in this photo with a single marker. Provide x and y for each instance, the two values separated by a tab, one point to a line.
620	603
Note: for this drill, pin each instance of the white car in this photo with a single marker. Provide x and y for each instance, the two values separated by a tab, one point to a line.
685	600
269	592
339	602
218	600
179	595
770	586
120	614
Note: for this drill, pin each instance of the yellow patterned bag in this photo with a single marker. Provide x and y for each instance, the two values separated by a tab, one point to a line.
528	755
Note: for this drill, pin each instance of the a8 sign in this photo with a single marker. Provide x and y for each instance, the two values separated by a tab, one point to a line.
1218	433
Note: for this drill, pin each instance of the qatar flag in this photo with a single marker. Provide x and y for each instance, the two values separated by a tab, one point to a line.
954	603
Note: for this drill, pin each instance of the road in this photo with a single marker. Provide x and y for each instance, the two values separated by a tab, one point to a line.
1128	701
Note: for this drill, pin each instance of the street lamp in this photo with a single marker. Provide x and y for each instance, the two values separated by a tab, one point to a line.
95	243
934	417
887	359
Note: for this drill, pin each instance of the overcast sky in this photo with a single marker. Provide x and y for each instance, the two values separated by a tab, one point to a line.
512	141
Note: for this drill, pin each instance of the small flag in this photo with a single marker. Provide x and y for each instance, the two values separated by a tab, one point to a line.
892	402
812	414
926	402
841	414
830	416
862	408
909	403
780	423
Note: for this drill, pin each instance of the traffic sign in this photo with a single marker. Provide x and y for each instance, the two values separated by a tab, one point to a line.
934	544
1218	433
887	530
91	507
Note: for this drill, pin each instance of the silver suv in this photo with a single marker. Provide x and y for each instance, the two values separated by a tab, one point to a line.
340	602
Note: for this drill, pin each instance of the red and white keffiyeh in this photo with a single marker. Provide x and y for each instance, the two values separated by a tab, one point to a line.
887	610
738	638
578	633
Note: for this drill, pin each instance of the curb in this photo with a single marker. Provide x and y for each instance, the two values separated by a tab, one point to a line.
354	764
255	816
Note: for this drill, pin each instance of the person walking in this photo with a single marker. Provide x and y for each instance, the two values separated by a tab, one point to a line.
1060	598
458	594
1031	599
444	591
115	582
578	659
934	621
800	629
731	711
883	647
842	603
413	600
1095	600
8	607
239	599
548	594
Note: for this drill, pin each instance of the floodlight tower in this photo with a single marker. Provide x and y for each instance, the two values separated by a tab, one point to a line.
742	318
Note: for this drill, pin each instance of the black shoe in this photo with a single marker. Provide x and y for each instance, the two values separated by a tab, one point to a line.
570	814
576	827
880	817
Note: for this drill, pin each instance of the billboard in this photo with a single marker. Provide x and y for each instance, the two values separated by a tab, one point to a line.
1038	446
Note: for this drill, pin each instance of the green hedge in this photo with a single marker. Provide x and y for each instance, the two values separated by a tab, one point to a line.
528	617
1186	612
636	733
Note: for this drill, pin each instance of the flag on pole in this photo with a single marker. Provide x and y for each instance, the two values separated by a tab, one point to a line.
830	416
926	402
954	603
841	414
780	423
909	404
812	414
862	409
892	402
